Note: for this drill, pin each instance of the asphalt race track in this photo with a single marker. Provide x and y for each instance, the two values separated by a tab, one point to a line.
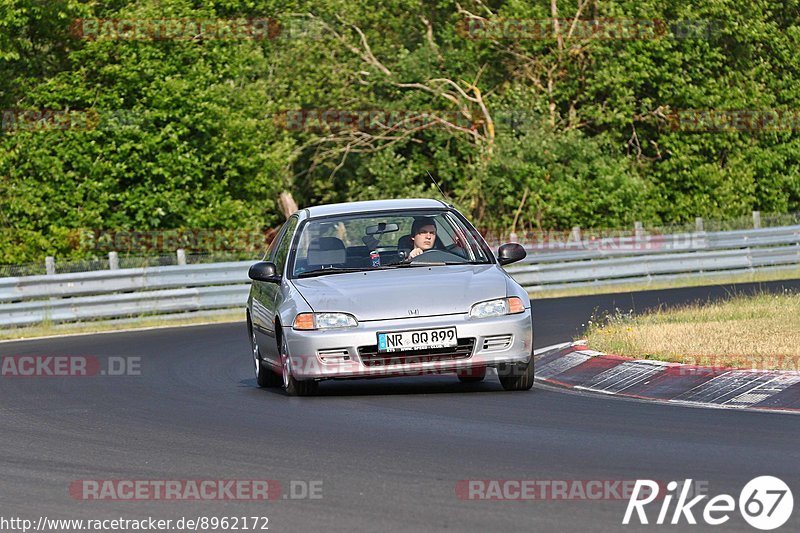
388	453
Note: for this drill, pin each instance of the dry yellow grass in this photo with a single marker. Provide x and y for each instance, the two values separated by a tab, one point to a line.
760	332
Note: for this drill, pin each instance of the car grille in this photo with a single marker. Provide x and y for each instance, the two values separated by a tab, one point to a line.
371	357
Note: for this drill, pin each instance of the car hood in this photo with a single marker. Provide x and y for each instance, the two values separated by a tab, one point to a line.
397	293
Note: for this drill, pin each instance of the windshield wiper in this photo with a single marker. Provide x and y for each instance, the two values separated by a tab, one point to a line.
324	271
406	264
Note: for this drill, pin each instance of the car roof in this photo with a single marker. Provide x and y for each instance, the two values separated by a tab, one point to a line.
373	205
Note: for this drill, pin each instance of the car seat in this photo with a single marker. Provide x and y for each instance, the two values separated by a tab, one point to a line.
326	251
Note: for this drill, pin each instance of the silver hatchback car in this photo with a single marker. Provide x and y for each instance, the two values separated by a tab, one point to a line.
382	289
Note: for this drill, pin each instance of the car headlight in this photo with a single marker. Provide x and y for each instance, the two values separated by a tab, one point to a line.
498	307
307	321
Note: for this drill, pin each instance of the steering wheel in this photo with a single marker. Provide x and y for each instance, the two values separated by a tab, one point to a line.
438	256
457	250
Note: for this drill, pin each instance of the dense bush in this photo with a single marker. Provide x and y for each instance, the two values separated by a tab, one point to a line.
198	132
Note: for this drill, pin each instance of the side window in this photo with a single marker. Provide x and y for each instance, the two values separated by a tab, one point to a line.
444	230
281	251
274	244
470	246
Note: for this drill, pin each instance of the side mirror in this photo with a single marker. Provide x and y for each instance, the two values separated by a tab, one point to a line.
264	271
510	253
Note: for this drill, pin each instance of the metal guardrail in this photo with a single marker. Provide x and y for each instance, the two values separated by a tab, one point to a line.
664	257
123	292
659	244
125	304
128	279
214	286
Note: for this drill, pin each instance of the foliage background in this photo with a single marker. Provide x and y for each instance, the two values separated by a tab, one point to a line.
188	136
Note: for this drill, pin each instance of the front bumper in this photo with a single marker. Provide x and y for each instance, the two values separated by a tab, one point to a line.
308	363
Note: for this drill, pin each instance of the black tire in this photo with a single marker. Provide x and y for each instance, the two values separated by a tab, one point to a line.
472	375
264	376
292	386
516	376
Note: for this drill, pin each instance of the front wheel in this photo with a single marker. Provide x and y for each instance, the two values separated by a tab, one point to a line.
516	376
292	386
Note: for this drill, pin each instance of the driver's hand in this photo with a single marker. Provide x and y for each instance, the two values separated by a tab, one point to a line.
414	253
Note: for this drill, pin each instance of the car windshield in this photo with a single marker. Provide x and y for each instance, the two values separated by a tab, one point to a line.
372	241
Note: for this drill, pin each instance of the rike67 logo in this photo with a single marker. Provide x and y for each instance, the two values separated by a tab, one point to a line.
765	503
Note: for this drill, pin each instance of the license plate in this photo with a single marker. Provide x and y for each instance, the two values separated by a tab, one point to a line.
418	339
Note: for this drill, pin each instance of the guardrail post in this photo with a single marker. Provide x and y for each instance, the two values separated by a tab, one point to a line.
576	234
181	256
50	265
756	219
698	224
638	230
113	261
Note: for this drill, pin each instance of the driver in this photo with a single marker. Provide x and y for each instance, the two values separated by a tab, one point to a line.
423	235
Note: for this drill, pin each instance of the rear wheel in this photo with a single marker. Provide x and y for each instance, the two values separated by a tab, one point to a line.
516	376
292	386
